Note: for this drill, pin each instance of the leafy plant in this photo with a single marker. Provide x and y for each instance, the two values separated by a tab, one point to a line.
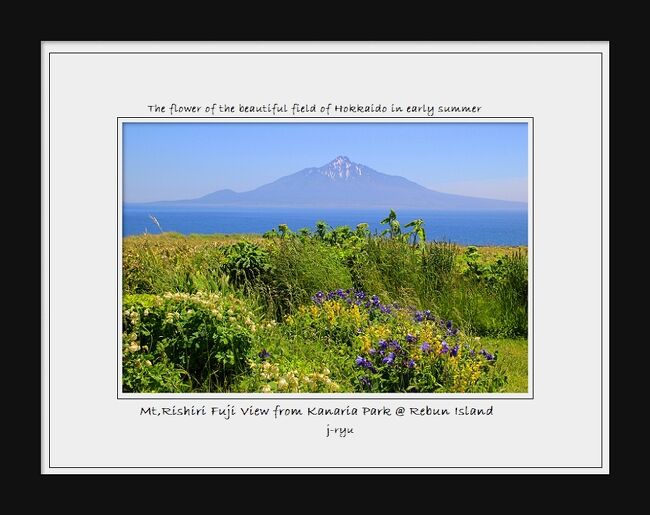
143	372
284	231
201	337
393	230
418	233
245	262
322	228
362	230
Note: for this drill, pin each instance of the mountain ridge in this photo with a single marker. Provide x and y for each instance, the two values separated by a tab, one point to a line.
342	183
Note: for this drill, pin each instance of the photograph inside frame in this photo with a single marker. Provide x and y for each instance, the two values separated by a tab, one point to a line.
325	257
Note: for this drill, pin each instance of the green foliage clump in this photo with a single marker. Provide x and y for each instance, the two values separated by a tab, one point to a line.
245	262
201	339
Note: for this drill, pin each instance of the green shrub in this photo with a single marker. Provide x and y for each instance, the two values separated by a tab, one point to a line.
204	335
245	262
491	297
144	372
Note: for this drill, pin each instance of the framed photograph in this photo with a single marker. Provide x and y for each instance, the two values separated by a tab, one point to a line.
239	243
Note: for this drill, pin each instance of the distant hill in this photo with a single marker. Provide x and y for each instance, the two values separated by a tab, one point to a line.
342	183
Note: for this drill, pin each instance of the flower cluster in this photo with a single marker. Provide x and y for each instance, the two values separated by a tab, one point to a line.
488	356
293	381
389	356
365	363
426	315
205	335
405	350
421	316
356	297
415	360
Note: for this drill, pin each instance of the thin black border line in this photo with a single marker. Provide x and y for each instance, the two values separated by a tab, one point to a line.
602	280
280	467
530	338
49	260
532	257
119	255
273	117
328	53
324	467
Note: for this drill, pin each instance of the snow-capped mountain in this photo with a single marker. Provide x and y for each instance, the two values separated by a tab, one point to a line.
339	168
343	183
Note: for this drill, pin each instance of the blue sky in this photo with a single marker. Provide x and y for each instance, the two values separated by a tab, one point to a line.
175	161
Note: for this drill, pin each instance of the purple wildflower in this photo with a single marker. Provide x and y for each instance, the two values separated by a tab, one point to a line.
419	317
365	363
410	338
488	356
425	347
445	348
388	360
454	351
382	345
394	344
411	363
264	354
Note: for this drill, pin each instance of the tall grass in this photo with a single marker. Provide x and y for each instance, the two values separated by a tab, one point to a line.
437	265
298	269
496	308
431	276
157	264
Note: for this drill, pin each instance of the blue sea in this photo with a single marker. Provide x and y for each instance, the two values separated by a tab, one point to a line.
463	227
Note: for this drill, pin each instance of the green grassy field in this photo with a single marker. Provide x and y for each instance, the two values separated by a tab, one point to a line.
512	361
329	310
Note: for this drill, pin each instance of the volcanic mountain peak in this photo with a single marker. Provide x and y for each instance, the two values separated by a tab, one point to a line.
341	168
342	183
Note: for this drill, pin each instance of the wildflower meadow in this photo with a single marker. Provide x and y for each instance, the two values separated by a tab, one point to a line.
323	310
